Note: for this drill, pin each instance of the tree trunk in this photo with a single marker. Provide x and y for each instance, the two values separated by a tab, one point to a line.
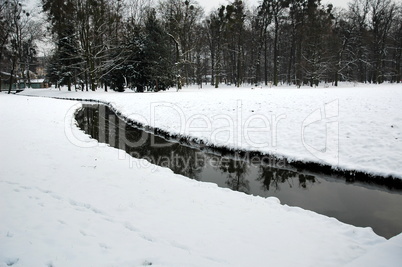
291	59
212	67
276	51
266	61
29	78
336	78
12	74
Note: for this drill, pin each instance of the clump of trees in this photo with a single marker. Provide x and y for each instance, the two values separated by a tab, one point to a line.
146	45
18	33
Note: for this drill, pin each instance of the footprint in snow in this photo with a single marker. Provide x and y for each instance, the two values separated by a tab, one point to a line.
130	227
104	246
25	187
11	261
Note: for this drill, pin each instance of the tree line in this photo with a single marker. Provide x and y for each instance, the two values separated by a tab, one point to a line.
154	46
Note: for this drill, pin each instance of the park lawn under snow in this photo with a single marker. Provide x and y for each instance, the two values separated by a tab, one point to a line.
67	205
353	127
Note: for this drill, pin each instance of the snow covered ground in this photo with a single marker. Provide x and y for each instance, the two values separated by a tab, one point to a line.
354	127
67	205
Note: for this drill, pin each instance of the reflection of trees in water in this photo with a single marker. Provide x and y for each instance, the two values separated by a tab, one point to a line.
305	179
187	162
102	124
180	159
273	177
88	120
236	172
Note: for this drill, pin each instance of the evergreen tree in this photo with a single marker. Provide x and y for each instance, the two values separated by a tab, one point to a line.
61	16
150	66
157	61
316	55
235	32
215	26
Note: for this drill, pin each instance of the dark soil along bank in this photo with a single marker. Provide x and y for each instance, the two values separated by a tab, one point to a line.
355	201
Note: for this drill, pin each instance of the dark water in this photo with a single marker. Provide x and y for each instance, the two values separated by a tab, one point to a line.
357	203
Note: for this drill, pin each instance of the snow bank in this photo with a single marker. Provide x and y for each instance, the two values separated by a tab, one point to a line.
352	128
384	254
66	205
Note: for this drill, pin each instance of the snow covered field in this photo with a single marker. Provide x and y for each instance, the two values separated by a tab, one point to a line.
66	205
354	127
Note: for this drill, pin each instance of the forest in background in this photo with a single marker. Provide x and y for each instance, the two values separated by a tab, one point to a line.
147	45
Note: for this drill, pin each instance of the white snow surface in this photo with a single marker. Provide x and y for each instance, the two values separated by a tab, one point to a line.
67	205
354	127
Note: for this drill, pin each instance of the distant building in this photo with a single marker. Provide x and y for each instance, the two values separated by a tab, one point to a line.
5	81
39	83
20	85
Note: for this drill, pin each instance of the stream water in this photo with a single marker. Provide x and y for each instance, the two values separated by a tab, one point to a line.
364	204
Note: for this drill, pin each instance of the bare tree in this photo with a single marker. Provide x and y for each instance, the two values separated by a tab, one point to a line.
18	34
181	19
396	47
382	15
273	11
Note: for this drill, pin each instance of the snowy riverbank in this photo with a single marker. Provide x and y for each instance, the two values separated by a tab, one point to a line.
351	127
66	205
